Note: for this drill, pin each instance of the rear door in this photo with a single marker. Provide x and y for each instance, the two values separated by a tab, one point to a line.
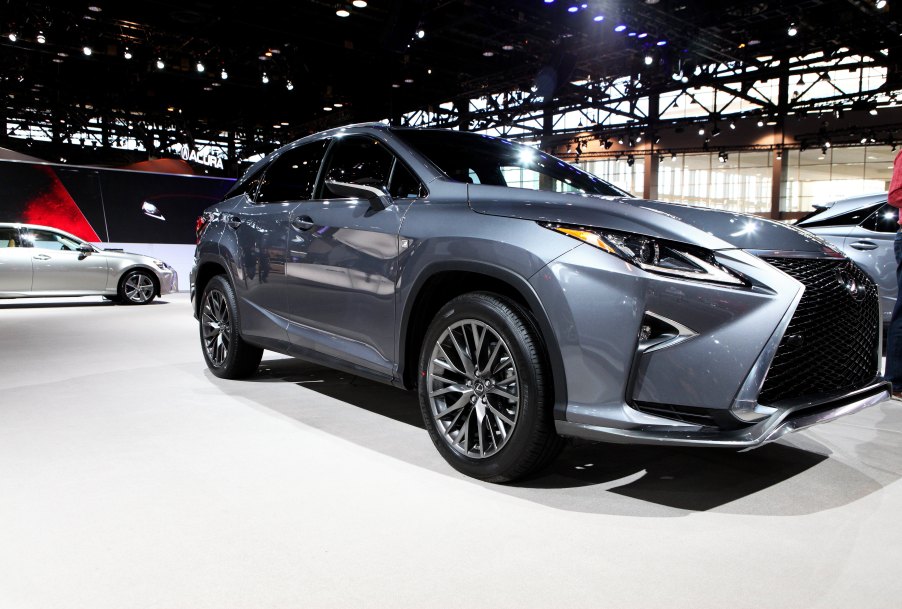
261	226
59	268
15	264
870	245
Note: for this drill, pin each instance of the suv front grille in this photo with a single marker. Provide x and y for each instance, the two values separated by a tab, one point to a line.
831	342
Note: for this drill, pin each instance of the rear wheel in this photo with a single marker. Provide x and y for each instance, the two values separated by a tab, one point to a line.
226	353
484	389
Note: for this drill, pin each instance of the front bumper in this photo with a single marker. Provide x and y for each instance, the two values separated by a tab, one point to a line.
169	281
699	387
788	418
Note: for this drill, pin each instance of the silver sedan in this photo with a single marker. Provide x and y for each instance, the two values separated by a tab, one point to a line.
39	261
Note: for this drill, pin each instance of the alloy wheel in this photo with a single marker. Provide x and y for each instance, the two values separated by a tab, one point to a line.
473	388
216	324
138	288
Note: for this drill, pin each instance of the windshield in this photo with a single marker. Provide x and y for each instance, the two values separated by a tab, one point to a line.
479	159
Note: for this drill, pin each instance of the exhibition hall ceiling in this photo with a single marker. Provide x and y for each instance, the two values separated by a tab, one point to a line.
312	64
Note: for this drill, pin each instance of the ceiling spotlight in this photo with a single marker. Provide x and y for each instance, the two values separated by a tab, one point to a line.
873	112
409	81
608	144
779	154
648	59
880	4
359	3
793	30
598	18
760	122
127	54
327	108
200	66
630	160
620	140
620	28
733	125
338	104
638	139
507	47
421	33
701	131
265	79
395	85
160	64
488	54
224	74
289	85
13	37
827	144
86	50
40	38
661	43
715	131
673	157
572	9
343	12
642	35
722	157
94	8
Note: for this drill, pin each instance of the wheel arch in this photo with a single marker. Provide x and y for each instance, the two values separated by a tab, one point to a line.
206	270
140	267
441	282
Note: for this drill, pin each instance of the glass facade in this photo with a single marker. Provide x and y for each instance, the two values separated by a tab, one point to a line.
813	176
619	172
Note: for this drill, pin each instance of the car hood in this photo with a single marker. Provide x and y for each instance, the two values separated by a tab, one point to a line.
123	255
709	228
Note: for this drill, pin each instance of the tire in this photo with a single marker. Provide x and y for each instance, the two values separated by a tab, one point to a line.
136	287
491	420
227	355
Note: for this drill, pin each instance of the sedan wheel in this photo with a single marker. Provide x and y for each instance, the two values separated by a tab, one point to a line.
137	287
485	389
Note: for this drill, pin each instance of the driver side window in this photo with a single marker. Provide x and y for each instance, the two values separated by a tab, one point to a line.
884	220
357	160
46	240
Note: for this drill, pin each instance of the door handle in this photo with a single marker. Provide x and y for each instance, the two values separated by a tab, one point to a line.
864	245
41	257
302	222
234	221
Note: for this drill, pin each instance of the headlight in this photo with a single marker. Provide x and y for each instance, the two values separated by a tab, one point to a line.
655	255
162	265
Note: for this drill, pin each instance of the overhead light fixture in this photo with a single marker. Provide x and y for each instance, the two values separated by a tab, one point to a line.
86	50
630	160
760	122
40	38
722	157
327	108
873	112
620	140
94	8
638	139
880	4
160	64
793	30
648	59
715	131
661	43
733	125
598	18
265	79
608	144
642	35
224	74
572	9
13	37
359	3
488	53
289	85
338	104
127	54
507	47
409	81
200	66
421	34
395	85
343	12
673	157
701	131
779	154
620	28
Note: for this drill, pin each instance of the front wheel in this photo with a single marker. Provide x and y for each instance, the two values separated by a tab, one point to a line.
485	391
226	353
137	287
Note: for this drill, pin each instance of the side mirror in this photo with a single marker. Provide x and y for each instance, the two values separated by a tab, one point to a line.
378	199
86	248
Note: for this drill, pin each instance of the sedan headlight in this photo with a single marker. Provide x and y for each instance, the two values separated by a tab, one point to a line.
655	255
162	265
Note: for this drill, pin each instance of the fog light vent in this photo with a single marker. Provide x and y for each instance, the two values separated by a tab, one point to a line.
659	332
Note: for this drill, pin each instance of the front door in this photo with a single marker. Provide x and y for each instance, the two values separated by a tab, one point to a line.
59	268
343	258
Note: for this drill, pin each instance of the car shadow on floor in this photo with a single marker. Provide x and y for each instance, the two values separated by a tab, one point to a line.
613	478
62	303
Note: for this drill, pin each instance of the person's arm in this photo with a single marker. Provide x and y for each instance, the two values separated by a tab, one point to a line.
895	185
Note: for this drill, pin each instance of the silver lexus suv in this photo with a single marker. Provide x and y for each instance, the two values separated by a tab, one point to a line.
525	300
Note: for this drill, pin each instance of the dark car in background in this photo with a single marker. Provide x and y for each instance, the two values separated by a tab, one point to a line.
864	228
526	300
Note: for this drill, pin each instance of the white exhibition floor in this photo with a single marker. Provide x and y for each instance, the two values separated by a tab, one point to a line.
132	478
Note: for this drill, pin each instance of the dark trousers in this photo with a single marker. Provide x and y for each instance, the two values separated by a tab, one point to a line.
894	334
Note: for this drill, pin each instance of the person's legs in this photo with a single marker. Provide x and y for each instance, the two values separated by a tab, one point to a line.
894	334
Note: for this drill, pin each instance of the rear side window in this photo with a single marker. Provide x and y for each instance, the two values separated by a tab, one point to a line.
884	220
9	237
291	176
851	218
